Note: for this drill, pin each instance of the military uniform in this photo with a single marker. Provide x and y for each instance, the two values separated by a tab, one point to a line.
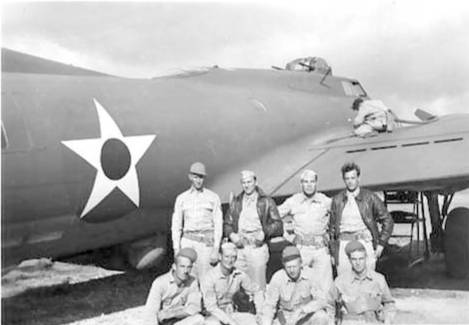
311	217
349	224
285	297
218	291
197	222
165	295
365	299
175	302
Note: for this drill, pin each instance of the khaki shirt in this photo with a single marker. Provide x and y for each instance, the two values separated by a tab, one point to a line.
218	290
249	221
351	220
197	211
360	295
290	295
310	215
165	294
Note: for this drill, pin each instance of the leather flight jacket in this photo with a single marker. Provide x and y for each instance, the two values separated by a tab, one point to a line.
272	225
372	211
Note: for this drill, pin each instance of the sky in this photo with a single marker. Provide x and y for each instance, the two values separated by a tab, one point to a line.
410	54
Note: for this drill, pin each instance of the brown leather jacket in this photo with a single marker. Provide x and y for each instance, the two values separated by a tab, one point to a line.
372	210
266	209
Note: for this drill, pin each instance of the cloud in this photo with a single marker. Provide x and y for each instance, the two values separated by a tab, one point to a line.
407	53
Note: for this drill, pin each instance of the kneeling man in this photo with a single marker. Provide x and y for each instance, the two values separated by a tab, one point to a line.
362	293
294	293
175	297
222	283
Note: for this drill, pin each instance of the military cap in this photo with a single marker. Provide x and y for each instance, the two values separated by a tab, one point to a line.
308	172
248	174
188	252
353	246
290	253
228	245
198	168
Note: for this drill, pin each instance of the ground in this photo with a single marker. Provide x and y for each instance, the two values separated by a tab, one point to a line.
57	293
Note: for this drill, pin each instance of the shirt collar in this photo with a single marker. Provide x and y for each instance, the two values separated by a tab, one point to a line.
220	274
353	194
366	276
315	198
172	279
194	190
303	276
251	198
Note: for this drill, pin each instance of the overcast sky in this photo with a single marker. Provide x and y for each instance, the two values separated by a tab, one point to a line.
408	53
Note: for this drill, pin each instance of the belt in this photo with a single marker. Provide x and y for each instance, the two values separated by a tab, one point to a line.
368	316
356	235
205	237
317	241
249	238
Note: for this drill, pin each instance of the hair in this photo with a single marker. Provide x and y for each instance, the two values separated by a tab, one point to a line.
356	103
178	257
348	167
307	172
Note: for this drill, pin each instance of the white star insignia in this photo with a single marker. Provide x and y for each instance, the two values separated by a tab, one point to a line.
91	149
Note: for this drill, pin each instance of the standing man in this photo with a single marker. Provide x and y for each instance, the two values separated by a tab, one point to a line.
362	294
221	284
355	214
251	220
310	211
198	221
294	294
174	297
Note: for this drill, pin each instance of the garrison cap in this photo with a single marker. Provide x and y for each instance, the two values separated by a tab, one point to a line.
228	245
248	174
188	252
198	168
353	246
307	173
290	253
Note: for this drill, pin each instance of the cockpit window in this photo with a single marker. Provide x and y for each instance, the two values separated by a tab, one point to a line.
353	88
4	138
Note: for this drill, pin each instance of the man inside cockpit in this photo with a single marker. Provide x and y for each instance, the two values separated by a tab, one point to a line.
372	117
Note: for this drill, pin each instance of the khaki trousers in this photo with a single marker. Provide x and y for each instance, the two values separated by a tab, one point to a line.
253	260
318	318
319	260
240	318
202	264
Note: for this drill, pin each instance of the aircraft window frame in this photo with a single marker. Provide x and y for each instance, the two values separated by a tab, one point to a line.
353	88
5	141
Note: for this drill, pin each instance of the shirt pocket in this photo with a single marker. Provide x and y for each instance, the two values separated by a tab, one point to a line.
207	205
303	297
299	210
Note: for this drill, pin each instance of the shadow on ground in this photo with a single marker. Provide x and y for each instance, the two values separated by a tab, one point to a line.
72	302
404	270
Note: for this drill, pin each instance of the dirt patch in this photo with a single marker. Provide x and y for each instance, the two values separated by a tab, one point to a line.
33	274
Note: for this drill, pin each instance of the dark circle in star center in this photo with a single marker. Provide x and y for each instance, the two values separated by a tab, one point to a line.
115	159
